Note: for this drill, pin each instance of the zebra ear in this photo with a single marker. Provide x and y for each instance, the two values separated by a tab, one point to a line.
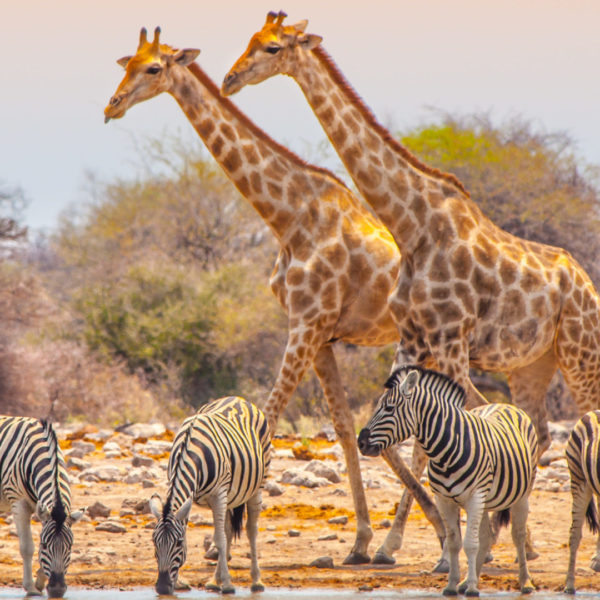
156	506
43	512
184	512
410	382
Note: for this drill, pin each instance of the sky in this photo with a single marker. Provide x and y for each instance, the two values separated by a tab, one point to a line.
408	59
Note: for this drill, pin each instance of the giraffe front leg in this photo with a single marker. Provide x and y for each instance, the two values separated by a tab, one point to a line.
22	519
221	580
414	488
326	369
254	507
450	512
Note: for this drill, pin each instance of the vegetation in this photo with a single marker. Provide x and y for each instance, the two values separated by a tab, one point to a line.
152	296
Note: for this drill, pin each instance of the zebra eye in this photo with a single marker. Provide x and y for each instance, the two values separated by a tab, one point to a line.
43	546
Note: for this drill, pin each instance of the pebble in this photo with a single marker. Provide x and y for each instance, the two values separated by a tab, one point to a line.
341	520
293	533
328	537
111	527
323	562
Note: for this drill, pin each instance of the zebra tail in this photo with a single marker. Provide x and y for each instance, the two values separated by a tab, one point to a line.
503	517
237	520
592	517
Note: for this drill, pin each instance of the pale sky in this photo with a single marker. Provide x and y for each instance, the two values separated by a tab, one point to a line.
539	59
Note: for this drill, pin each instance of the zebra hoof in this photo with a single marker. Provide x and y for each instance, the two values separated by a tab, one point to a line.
569	590
381	558
356	558
257	587
532	554
489	557
211	586
212	553
442	566
33	594
595	565
447	591
228	589
472	593
527	589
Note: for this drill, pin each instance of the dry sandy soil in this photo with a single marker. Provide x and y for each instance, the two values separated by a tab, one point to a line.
120	560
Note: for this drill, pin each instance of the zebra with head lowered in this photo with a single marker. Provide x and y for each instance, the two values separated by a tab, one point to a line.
480	460
33	477
219	457
583	459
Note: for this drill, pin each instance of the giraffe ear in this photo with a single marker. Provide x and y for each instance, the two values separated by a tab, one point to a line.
309	41
122	62
186	56
410	382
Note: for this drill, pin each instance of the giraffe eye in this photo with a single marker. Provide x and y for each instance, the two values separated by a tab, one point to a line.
153	70
272	49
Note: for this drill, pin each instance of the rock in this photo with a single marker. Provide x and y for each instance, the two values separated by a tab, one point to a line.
85	447
144	430
293	533
339	492
321	469
77	463
273	489
385	523
77	431
558	432
111	448
111	527
271	540
328	537
550	456
341	520
327	433
126	512
98	510
303	478
142	461
101	473
99	436
155	448
323	562
147	483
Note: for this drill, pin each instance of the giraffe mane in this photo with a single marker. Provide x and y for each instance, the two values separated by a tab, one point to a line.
360	104
214	90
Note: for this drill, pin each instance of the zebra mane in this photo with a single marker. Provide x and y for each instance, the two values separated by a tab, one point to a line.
58	513
177	465
450	386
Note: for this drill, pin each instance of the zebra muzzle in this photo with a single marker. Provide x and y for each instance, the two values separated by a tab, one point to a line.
56	585
364	444
164	586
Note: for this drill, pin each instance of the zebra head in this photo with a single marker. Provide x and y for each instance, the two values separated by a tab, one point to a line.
56	541
392	420
169	542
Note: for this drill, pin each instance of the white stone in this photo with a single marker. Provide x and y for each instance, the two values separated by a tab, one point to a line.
321	469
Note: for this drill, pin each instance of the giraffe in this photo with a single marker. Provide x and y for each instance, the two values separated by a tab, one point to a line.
336	265
468	293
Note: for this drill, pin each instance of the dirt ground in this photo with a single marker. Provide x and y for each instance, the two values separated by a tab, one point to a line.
103	559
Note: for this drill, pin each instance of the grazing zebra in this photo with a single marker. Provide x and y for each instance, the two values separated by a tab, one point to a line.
219	457
583	458
480	460
33	477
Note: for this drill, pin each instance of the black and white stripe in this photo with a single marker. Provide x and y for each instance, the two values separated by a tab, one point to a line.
583	459
480	460
219	457
33	477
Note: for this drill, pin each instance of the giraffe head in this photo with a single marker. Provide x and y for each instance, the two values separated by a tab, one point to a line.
270	51
148	73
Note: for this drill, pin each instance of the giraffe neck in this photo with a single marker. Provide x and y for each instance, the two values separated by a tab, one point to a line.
270	177
392	180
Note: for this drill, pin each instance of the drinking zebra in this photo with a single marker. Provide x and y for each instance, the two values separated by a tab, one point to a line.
583	459
480	460
33	477
219	457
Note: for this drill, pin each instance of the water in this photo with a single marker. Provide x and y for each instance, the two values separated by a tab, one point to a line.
75	593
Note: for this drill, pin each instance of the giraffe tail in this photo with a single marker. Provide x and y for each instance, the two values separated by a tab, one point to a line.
591	516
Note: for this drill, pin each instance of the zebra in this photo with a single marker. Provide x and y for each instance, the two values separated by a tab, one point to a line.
480	460
220	458
33	477
583	459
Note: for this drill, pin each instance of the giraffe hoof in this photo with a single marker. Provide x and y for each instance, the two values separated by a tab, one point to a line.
357	558
442	566
381	558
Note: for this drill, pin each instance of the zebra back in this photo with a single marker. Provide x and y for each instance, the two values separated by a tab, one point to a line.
583	452
32	465
226	442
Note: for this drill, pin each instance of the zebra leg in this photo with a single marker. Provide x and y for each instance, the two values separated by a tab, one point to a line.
486	536
595	564
581	498
253	506
413	489
450	512
221	580
519	512
22	518
325	367
474	508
